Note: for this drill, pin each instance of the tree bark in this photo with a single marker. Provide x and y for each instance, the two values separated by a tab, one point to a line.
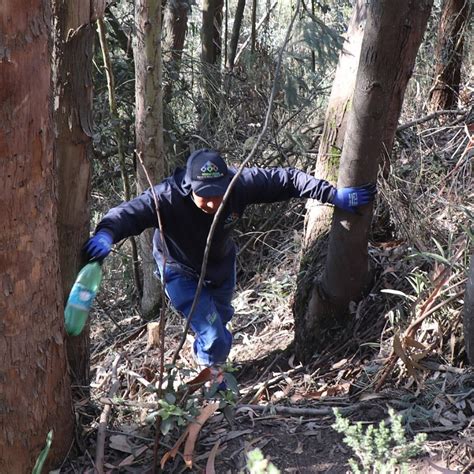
468	314
72	59
318	217
35	392
175	27
234	40
389	40
448	53
253	31
211	59
149	130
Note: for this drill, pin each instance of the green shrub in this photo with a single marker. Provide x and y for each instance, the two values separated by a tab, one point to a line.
379	450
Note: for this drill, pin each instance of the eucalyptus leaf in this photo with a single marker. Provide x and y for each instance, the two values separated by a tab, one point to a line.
43	455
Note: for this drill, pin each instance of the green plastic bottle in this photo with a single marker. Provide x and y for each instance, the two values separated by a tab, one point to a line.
81	298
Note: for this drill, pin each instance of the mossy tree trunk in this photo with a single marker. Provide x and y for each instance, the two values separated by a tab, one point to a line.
149	130
391	41
35	391
319	217
72	64
448	54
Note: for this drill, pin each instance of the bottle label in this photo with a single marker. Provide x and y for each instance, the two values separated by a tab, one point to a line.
81	297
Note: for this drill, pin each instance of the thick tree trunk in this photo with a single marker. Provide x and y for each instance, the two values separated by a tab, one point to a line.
468	314
234	40
319	217
35	392
211	58
149	130
389	40
449	49
73	49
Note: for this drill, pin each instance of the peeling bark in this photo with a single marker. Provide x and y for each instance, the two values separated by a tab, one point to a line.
448	53
72	66
34	386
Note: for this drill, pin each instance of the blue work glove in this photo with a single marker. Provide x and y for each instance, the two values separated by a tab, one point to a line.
98	246
349	199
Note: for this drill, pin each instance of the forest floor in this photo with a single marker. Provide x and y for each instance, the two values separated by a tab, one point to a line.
285	408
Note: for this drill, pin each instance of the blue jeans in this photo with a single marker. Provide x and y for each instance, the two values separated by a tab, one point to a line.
213	311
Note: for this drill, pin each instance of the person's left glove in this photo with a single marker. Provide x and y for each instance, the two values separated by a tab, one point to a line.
349	199
98	246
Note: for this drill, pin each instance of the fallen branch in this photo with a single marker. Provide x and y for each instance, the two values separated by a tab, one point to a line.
295	411
101	431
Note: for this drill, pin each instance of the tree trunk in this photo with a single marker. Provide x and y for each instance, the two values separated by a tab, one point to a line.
73	49
149	130
448	53
468	314
389	40
35	392
234	41
253	31
175	27
319	217
211	58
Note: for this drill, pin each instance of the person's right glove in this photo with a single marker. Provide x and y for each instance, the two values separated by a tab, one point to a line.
349	199
98	246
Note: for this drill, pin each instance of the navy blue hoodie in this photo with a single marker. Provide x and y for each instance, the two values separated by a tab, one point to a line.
186	227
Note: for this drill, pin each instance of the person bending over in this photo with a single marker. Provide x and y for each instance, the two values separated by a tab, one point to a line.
187	202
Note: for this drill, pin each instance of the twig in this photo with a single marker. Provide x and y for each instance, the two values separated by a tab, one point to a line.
232	183
162	313
101	431
428	117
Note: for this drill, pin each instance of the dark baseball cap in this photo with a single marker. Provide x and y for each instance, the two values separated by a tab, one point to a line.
208	173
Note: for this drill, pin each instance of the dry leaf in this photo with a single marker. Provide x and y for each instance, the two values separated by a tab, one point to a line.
174	450
339	364
398	348
410	341
193	431
299	449
129	460
120	443
210	469
206	375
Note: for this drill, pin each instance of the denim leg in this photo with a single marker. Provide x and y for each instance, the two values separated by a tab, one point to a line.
222	297
213	340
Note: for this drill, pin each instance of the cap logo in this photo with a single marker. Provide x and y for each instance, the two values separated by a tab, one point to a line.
210	170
